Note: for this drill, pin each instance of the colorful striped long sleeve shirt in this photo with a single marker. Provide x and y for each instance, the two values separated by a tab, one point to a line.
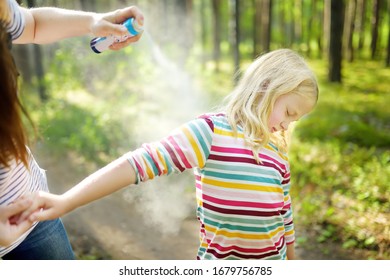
243	207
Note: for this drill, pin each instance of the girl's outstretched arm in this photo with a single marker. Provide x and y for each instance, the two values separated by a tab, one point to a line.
103	182
185	148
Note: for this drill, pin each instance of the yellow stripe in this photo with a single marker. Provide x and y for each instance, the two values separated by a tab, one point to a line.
195	146
162	160
244	235
272	149
227	133
149	170
231	185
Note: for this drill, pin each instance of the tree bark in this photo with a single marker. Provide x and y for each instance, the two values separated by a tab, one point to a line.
335	42
266	19
388	36
361	22
38	64
349	28
257	28
217	31
326	26
375	27
235	36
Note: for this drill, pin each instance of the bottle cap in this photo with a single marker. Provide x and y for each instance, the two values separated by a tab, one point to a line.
133	26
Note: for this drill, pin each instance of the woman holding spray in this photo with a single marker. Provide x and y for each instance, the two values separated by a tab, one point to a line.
19	172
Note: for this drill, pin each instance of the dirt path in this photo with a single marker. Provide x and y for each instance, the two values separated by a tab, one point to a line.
118	226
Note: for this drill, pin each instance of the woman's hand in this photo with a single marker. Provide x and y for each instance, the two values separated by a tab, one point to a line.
111	24
10	229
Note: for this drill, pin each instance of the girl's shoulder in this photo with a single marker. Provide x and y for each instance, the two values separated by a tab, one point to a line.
215	119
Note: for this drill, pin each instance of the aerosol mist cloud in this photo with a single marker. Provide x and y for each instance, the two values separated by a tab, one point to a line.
166	201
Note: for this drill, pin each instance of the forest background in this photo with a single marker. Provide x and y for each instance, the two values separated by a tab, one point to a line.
90	108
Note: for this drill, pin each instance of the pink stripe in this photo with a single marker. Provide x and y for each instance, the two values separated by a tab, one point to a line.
240	249
237	203
246	152
231	150
140	170
177	148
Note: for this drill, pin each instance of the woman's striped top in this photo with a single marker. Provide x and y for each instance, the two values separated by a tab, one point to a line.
17	180
243	207
17	21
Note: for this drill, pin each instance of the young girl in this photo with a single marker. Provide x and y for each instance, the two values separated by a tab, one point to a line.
242	173
19	172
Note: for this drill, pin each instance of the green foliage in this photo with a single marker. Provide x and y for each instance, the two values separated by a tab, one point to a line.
90	130
340	161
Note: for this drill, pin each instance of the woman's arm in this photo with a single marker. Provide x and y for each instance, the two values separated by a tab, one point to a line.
49	24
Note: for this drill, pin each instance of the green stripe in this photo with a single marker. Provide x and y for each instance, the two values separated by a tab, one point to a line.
151	162
246	169
199	137
272	222
164	152
245	229
240	177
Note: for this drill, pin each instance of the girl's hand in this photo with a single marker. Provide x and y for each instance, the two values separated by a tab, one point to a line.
44	206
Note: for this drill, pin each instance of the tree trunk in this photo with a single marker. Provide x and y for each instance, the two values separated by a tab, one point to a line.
235	35
257	28
23	60
309	27
38	64
266	19
349	27
203	31
88	5
361	22
217	31
182	13
326	26
388	36
335	42
298	16
375	27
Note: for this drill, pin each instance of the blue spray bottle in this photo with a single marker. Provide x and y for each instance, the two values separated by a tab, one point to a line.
101	44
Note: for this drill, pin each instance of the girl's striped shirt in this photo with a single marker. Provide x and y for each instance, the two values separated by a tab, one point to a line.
243	207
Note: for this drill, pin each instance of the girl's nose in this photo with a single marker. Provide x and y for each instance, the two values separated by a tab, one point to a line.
285	125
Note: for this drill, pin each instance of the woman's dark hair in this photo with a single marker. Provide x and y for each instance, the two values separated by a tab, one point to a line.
13	138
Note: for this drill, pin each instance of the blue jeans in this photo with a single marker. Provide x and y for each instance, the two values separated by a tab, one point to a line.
47	241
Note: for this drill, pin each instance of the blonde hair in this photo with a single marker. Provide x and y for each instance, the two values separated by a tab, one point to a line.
251	102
